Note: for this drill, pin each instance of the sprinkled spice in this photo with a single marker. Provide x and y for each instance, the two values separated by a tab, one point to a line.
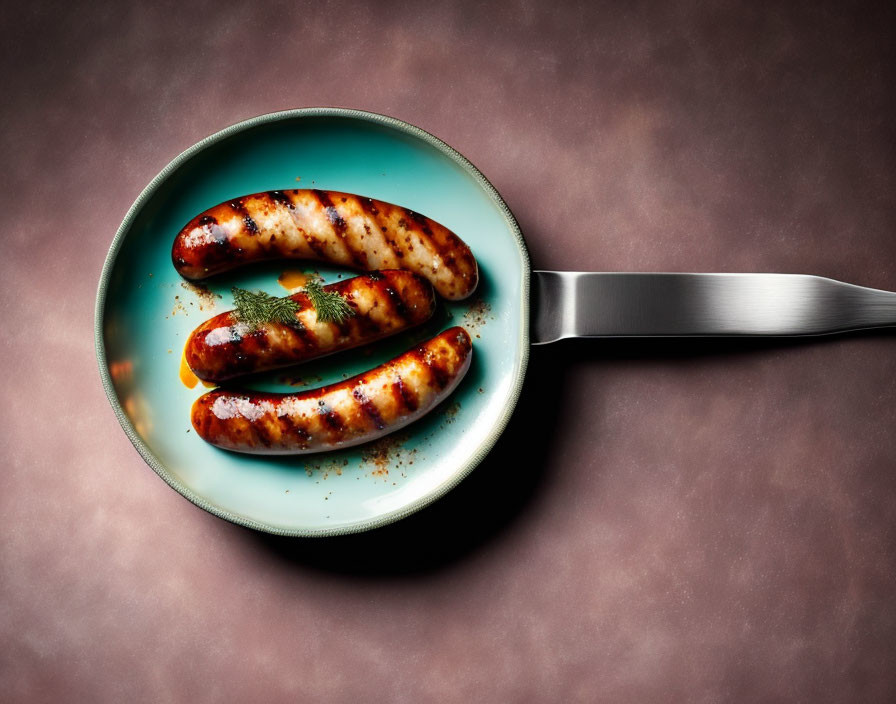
387	453
206	298
477	315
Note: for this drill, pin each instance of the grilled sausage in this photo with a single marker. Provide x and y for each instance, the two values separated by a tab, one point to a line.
347	413
326	226
384	303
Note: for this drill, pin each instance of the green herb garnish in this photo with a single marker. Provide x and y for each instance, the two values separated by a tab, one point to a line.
330	307
255	308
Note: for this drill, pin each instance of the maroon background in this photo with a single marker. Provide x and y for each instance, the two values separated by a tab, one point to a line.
661	521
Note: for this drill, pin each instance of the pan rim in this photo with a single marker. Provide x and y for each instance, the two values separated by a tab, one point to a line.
474	459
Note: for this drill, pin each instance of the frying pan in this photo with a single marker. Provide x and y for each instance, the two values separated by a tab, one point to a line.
145	312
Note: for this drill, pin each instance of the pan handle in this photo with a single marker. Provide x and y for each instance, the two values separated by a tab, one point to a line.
587	304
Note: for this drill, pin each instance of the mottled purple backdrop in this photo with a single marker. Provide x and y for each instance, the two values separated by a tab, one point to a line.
660	522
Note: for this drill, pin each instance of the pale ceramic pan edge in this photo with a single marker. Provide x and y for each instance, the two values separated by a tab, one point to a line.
440	490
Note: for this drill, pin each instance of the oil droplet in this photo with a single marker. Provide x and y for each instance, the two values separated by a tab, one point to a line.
187	377
293	280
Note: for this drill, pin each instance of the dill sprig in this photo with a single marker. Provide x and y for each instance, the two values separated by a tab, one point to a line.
330	307
255	308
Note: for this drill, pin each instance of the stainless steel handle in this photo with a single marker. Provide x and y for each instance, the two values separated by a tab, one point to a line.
582	304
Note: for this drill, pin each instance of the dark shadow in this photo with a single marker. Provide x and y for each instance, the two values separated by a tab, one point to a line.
690	350
498	492
482	506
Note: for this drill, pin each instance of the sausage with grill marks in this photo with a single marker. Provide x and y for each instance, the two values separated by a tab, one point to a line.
384	303
329	226
357	410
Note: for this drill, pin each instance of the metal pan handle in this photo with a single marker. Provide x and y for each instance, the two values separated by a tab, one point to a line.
583	304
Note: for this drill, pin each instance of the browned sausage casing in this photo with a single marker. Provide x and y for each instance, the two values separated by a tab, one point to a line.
384	304
348	413
330	226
